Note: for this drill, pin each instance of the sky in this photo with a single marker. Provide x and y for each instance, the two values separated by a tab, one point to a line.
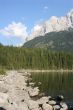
18	17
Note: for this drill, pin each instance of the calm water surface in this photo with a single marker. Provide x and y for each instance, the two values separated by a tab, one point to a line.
55	84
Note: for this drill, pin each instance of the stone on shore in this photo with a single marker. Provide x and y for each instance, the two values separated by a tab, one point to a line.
33	92
42	100
47	107
31	84
64	106
56	107
52	102
3	98
23	106
33	105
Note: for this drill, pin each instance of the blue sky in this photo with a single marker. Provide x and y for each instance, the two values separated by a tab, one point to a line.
27	13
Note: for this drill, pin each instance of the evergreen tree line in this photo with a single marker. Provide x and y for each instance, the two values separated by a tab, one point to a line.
31	58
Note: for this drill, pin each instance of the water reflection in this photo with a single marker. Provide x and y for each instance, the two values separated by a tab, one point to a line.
55	83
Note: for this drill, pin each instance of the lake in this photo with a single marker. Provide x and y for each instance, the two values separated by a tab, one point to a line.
55	84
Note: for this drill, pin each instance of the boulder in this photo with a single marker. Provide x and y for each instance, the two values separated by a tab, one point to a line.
59	98
37	109
3	98
39	83
23	106
47	107
42	94
33	105
31	84
42	100
33	92
56	107
52	102
64	106
3	89
11	106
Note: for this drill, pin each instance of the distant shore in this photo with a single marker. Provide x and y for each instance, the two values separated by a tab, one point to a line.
33	70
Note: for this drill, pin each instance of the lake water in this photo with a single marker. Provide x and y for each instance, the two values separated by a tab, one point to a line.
55	84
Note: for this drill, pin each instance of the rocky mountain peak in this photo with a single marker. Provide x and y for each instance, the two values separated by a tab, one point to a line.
70	17
53	24
70	13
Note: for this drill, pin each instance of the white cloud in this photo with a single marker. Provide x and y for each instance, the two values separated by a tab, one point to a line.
45	7
15	30
37	30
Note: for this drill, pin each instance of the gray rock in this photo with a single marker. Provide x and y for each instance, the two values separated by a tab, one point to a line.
64	106
23	106
33	104
47	107
52	102
33	92
3	98
31	84
56	107
42	100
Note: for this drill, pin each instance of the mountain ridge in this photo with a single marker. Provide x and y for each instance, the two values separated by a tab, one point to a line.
58	41
54	24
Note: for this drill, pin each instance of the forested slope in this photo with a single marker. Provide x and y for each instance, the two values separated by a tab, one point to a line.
20	57
57	41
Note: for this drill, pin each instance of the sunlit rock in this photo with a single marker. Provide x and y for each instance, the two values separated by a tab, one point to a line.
33	104
64	105
33	91
52	102
3	98
47	107
31	84
56	107
54	24
43	100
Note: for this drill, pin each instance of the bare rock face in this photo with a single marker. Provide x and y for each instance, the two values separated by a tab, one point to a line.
51	25
70	17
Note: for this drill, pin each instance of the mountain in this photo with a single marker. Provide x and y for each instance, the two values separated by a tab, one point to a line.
59	41
54	24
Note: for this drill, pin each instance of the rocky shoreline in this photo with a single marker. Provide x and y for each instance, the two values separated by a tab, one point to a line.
17	94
